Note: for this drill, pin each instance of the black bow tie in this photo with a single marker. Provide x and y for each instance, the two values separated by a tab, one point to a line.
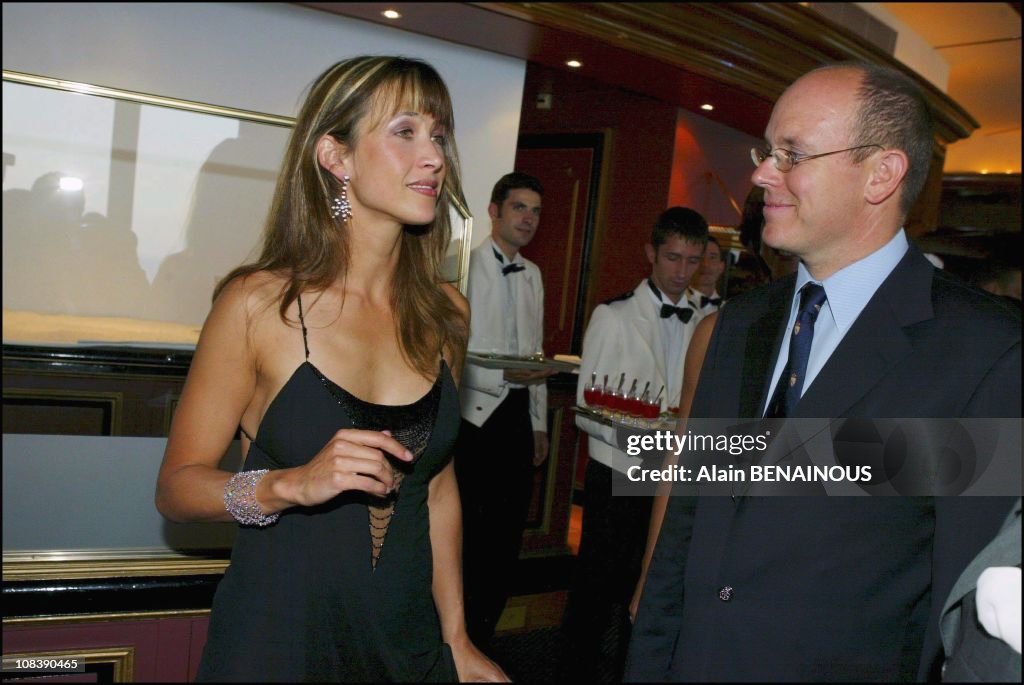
705	301
667	310
509	268
684	313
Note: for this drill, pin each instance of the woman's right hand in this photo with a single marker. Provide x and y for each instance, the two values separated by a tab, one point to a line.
351	460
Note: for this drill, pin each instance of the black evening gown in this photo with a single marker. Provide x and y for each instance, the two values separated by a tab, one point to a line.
308	598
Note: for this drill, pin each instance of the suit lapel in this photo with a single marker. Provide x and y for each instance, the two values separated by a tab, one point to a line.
876	341
648	328
764	336
487	300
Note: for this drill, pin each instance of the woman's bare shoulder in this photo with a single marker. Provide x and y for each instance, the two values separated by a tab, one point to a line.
706	325
251	294
457	298
701	337
254	286
243	305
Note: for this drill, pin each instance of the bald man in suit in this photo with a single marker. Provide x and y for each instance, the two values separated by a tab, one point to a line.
833	588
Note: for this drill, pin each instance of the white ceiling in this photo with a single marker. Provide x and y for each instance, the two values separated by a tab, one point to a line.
984	77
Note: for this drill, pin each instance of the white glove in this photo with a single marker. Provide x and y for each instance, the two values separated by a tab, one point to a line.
998	599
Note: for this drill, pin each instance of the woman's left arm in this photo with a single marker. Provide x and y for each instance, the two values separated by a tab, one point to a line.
446	540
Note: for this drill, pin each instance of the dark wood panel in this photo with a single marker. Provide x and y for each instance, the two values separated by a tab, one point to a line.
127	648
56	413
547	527
569	167
24	599
754	48
91	391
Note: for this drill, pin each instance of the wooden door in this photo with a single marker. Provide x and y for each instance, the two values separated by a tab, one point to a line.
568	166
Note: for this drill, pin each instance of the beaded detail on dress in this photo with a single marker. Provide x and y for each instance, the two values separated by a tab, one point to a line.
410	424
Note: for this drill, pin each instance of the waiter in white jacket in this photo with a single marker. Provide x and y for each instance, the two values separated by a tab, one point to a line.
644	335
504	411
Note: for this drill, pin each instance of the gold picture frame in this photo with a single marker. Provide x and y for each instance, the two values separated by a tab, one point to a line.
121	660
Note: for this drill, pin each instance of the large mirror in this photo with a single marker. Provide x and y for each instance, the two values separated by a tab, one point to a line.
121	211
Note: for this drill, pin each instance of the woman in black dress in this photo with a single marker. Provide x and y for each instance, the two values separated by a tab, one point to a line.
337	353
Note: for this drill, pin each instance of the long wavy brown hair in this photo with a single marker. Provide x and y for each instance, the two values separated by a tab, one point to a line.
302	241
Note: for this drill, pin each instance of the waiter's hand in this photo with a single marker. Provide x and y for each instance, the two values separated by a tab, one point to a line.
540	447
528	376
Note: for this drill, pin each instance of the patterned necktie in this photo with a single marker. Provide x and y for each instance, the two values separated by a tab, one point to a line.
791	382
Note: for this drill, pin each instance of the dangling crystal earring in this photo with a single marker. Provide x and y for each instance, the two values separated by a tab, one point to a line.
340	206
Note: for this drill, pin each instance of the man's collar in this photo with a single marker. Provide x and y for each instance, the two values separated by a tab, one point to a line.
695	294
518	258
660	296
849	289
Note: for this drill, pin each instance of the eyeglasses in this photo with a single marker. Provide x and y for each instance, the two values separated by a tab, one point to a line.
785	160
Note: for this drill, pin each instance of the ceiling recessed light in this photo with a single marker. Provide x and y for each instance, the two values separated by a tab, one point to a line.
392	14
574	63
707	107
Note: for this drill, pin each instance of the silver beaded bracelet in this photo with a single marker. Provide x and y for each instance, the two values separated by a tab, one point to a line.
240	499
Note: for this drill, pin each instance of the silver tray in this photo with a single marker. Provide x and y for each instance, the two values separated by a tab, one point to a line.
664	422
505	361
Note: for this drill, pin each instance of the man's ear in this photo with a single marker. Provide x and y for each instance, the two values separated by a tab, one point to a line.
652	254
886	176
332	155
492	210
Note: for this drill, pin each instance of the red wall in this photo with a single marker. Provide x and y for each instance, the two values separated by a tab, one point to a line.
641	131
711	170
660	156
165	649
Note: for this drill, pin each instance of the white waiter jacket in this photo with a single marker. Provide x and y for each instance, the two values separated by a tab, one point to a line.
484	389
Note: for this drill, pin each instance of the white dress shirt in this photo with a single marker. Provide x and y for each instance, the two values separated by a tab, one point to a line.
491	296
848	292
675	337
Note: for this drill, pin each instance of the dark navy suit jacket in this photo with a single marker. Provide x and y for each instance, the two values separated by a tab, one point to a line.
831	588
